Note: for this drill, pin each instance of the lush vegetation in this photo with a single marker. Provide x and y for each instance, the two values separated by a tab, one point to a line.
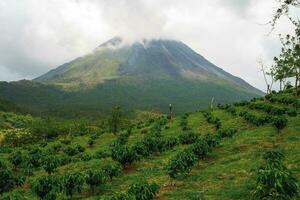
227	152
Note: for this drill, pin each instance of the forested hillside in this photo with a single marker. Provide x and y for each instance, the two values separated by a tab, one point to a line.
245	150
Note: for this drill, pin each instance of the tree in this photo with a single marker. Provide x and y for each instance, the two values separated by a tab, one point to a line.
284	9
288	61
73	183
115	119
95	178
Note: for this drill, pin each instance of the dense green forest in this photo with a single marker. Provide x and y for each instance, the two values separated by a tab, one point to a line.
245	150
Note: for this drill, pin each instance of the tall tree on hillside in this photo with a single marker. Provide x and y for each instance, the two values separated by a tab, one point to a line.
115	119
289	58
284	9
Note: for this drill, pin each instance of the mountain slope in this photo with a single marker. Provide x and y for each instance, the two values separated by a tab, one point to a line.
147	75
154	59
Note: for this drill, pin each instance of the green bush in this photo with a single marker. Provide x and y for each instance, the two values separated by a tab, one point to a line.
46	187
50	163
181	164
211	140
274	180
91	142
279	123
95	178
143	190
292	112
17	158
222	133
7	180
86	157
200	148
187	137
112	170
123	155
72	183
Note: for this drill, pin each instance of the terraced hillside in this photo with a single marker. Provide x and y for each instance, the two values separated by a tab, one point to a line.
212	154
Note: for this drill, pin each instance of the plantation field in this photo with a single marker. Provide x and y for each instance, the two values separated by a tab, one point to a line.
232	140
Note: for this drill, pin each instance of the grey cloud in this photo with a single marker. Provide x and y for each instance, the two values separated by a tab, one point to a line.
37	35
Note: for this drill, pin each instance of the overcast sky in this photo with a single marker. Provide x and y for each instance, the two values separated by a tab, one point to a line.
38	35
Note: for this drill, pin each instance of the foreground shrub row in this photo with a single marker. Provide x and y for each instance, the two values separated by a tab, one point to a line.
284	100
50	187
274	180
182	163
279	122
273	110
212	119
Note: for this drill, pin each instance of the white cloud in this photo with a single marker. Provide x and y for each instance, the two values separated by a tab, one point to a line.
37	35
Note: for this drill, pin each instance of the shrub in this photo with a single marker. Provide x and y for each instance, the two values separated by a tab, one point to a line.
279	123
91	142
111	170
95	178
50	163
101	154
85	157
222	133
13	196
187	137
169	143
212	119
66	141
200	148
211	140
7	180
47	129
35	157
79	148
292	112
71	151
46	187
274	180
123	155
73	183
181	164
17	158
143	190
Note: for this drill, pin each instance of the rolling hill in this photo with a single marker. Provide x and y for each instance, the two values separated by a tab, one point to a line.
146	75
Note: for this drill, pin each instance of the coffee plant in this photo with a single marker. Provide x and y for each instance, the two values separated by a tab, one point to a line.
143	190
274	180
181	164
46	187
50	163
72	183
95	178
187	137
279	123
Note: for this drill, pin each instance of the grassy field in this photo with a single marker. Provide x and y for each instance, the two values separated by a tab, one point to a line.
228	172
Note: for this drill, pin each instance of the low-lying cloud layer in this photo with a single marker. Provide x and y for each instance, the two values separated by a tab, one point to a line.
38	35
